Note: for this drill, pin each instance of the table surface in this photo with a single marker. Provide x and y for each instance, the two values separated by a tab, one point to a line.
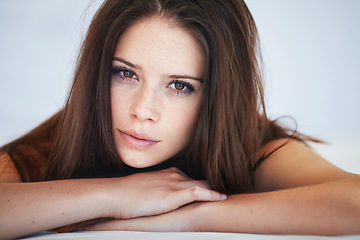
124	235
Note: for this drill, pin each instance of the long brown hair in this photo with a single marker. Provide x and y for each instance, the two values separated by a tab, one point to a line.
232	124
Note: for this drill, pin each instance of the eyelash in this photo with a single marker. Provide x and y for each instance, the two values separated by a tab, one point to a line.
119	72
189	87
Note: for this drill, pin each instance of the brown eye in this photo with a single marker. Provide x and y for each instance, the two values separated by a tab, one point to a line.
128	74
179	86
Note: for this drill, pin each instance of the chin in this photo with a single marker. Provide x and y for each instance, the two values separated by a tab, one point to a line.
140	164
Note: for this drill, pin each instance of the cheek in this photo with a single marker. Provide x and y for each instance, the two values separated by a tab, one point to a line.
117	106
181	122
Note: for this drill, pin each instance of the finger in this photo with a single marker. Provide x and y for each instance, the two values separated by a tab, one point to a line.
174	169
76	226
70	228
151	224
189	184
113	225
197	193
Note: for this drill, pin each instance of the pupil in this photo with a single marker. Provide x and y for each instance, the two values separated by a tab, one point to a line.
179	86
128	74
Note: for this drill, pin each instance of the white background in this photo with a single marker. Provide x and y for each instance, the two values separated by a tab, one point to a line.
311	51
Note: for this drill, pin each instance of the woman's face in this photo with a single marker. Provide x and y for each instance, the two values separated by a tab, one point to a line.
156	88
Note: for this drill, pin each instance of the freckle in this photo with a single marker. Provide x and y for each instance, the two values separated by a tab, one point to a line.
8	200
63	213
251	211
33	221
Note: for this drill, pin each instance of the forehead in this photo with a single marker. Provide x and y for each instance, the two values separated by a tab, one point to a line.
157	41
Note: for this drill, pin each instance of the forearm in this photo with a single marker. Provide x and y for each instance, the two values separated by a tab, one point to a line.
325	209
27	208
31	207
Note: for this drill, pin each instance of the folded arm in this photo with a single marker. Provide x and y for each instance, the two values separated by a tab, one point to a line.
27	208
324	209
297	192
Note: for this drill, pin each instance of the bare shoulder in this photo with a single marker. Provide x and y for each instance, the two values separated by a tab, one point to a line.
294	164
8	171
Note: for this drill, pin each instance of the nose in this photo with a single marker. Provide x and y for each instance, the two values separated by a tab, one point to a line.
144	105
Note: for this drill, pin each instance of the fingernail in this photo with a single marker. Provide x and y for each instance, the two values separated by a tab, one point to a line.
223	196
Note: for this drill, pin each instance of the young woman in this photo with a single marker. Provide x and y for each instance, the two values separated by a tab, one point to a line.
165	129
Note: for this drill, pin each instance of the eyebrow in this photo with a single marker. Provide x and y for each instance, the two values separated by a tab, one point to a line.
183	76
127	63
187	77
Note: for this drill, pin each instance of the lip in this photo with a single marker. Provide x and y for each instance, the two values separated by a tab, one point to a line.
137	140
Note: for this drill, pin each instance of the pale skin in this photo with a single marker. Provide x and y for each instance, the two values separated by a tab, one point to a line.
297	191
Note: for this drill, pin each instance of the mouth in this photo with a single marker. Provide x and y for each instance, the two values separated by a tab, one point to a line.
135	140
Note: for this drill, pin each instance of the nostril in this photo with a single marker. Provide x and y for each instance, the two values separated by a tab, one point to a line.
144	114
144	107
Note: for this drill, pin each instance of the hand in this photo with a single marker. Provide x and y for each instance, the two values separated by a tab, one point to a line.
183	219
154	193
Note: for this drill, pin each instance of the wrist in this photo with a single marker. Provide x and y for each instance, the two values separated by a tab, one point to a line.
113	199
100	197
203	216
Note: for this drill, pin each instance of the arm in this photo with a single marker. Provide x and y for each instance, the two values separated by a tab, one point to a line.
298	193
324	209
27	208
315	196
